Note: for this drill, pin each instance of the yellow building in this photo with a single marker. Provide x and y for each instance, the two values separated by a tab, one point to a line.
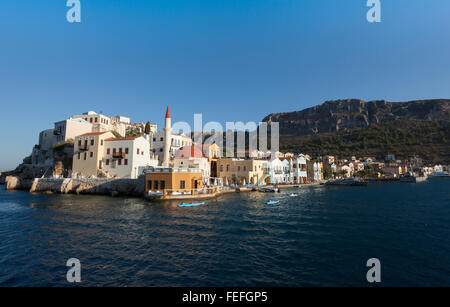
88	153
212	151
234	171
173	180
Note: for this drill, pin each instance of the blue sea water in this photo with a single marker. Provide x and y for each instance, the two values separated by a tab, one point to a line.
323	237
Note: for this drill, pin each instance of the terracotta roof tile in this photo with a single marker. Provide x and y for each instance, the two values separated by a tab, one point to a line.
93	133
121	139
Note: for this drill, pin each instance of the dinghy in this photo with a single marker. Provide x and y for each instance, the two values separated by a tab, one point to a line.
272	202
191	204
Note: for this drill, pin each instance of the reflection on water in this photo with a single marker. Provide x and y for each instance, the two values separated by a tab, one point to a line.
323	236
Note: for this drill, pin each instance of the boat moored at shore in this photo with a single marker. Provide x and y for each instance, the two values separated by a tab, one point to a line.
413	177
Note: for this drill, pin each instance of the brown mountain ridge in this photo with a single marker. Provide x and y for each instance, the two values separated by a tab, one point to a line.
374	128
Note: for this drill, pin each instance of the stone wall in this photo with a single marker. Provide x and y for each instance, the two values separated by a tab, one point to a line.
98	186
17	183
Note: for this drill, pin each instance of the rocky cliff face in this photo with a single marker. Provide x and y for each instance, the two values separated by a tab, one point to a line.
62	159
25	174
339	115
22	177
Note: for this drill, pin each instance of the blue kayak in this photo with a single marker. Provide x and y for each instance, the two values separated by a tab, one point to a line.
272	202
190	204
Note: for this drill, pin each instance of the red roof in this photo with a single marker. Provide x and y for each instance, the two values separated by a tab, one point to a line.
93	133
167	112
194	151
121	139
183	135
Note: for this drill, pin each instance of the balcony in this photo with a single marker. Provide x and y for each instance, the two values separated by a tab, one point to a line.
83	147
118	155
160	169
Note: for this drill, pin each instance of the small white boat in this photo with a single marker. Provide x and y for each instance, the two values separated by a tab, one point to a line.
269	190
440	174
293	195
272	202
153	195
191	204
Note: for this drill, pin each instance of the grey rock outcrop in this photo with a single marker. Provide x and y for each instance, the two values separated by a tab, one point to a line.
92	186
338	115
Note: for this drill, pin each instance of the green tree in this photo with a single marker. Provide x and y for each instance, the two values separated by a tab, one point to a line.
147	128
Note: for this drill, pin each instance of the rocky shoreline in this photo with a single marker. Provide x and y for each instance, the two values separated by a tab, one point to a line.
90	186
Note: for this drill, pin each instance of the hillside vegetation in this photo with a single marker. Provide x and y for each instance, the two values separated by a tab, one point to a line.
429	139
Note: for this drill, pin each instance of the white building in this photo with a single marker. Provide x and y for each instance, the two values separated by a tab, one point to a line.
258	154
127	157
176	142
42	153
315	171
297	169
192	157
70	128
277	170
102	123
345	170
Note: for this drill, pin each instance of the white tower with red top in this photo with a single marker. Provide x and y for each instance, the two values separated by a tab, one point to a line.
167	139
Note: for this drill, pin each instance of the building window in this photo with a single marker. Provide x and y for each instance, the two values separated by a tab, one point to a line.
126	162
221	167
107	161
114	150
96	119
228	167
163	184
79	143
142	153
91	154
154	139
102	142
120	161
156	184
182	184
120	150
149	185
90	119
108	151
160	149
78	156
126	150
85	156
138	151
239	168
92	142
161	139
245	168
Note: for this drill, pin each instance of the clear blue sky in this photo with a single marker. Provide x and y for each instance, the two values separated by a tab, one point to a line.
230	60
